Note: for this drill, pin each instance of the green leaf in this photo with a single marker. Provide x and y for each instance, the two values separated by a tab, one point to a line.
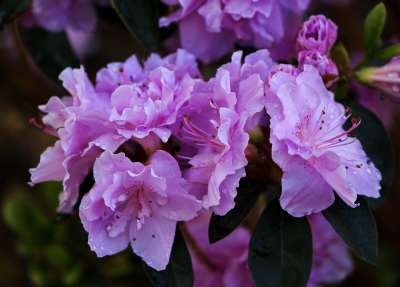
10	9
341	57
24	218
222	226
373	28
141	19
377	145
356	226
58	256
51	52
280	252
389	52
179	272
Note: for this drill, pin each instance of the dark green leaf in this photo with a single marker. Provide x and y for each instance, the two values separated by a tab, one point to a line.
10	9
377	145
280	252
141	19
51	52
342	90
179	271
341	57
356	226
373	28
222	226
389	52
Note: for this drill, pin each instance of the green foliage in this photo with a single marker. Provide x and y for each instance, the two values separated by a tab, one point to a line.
341	57
24	218
51	52
10	9
141	19
222	226
179	271
57	254
356	226
389	52
280	252
373	28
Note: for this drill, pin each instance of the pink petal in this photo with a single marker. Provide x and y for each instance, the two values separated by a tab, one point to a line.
153	242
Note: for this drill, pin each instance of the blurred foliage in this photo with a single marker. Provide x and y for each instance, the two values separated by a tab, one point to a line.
57	254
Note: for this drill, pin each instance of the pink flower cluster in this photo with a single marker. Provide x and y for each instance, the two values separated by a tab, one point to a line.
210	28
166	145
134	111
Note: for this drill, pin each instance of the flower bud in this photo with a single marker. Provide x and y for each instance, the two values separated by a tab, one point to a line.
317	33
325	66
385	78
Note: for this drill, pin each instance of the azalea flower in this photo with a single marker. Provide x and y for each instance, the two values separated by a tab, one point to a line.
137	205
316	154
215	126
145	101
209	28
80	122
128	103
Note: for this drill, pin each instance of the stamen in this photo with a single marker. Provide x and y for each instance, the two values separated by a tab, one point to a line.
197	135
341	137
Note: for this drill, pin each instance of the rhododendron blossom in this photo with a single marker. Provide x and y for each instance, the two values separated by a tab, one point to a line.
215	127
248	109
315	152
81	124
209	28
138	205
147	101
128	102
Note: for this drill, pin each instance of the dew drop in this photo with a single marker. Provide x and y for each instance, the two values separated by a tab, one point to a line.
122	197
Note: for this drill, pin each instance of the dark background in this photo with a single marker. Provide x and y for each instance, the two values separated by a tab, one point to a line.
37	248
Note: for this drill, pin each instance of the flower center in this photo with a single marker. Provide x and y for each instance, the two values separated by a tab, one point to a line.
327	132
194	134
